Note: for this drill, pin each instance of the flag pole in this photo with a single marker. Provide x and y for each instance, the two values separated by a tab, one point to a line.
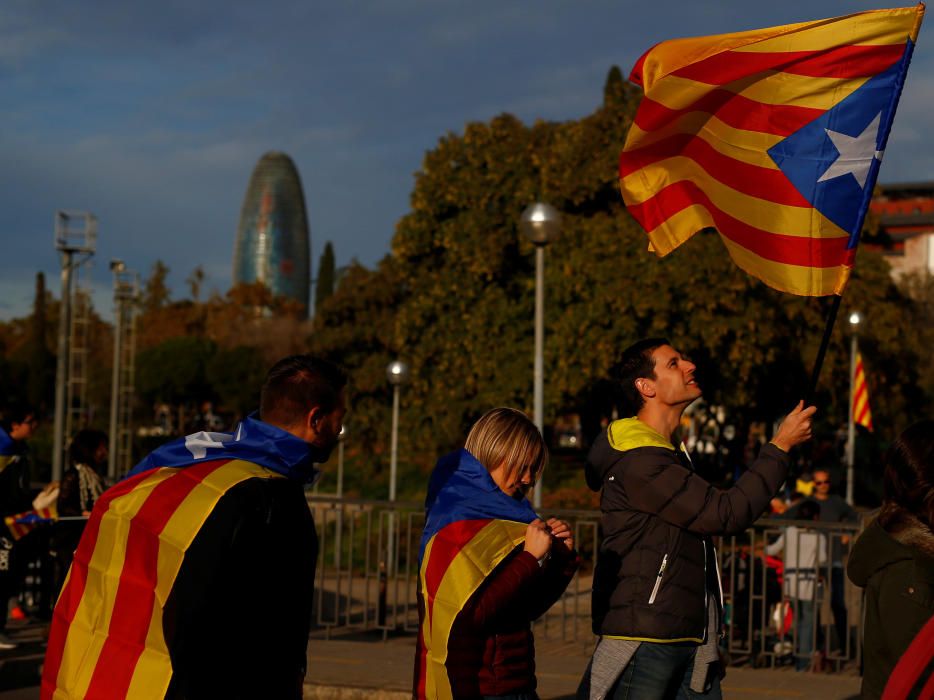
825	341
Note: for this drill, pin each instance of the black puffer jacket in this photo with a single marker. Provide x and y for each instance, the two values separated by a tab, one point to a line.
657	564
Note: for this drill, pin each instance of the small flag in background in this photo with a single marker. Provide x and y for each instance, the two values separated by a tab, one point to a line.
861	413
774	137
22	523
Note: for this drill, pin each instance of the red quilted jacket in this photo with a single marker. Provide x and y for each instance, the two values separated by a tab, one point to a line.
491	650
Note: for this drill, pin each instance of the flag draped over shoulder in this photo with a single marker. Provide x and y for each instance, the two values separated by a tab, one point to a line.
774	137
8	450
861	413
106	638
471	526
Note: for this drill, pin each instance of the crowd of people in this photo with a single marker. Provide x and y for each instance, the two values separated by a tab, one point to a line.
164	573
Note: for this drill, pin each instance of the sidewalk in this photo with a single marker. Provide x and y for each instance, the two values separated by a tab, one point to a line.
363	666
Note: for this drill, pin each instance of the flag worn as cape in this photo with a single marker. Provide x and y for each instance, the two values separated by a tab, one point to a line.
106	638
861	413
773	137
470	527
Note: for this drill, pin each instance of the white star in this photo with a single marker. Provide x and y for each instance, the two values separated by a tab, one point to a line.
855	153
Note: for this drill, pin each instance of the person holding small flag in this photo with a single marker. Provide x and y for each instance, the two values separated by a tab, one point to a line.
488	565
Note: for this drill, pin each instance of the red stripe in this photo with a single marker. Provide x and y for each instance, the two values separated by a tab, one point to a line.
734	110
839	62
776	247
862	418
136	592
70	598
754	180
860	391
448	542
911	667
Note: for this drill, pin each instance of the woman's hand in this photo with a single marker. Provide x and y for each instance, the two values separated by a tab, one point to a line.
562	533
537	539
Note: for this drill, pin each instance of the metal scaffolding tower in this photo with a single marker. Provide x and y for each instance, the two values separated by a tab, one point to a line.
75	240
126	304
76	393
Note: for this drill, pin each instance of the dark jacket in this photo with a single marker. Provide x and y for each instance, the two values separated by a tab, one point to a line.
236	622
896	568
657	564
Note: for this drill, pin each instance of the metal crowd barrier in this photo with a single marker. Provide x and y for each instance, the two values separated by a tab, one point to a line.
368	569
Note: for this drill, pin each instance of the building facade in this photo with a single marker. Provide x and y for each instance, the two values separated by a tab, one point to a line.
273	240
906	220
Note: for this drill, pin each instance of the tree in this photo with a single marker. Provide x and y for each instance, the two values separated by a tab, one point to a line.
175	372
235	376
39	359
195	282
156	292
324	286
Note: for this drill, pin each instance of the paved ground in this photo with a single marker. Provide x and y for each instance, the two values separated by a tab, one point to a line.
364	667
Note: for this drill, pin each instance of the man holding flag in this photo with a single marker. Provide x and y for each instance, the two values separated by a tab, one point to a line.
194	576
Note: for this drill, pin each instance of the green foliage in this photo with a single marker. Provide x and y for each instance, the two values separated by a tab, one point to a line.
175	371
235	376
324	286
156	292
456	299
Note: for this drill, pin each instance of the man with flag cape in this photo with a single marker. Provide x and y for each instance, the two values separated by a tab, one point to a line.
481	579
194	575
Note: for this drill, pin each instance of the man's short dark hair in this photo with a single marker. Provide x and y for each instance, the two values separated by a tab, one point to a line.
636	363
298	383
84	444
15	413
809	510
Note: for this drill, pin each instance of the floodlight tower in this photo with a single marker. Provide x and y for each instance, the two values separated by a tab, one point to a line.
126	304
76	241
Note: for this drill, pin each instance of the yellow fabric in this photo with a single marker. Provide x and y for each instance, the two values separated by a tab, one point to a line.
630	433
89	630
469	568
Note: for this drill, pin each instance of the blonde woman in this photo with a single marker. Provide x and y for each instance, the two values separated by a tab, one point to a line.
488	565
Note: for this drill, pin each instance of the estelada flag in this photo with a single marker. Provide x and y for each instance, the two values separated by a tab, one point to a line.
8	450
22	523
471	525
773	137
106	638
861	413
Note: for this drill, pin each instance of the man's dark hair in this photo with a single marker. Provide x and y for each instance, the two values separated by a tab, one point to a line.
295	385
84	446
636	363
808	510
15	413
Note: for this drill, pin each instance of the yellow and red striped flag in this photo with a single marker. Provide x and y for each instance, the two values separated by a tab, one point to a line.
774	137
861	413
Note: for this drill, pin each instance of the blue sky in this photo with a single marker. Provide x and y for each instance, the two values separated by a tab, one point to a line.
152	115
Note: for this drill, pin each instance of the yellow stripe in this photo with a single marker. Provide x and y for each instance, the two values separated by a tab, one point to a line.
154	669
768	87
463	576
873	27
803	222
6	460
794	279
88	631
745	146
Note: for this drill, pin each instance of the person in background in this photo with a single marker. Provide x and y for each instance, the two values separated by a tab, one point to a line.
488	565
79	490
804	553
833	509
17	425
893	559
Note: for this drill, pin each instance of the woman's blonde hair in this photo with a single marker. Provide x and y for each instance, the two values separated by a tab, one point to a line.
507	436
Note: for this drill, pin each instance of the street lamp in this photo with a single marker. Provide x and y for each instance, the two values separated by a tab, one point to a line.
398	374
855	319
540	223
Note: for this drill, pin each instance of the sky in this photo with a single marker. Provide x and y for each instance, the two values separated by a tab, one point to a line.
153	115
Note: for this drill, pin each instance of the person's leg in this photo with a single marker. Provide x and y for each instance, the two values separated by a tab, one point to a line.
805	629
654	672
838	606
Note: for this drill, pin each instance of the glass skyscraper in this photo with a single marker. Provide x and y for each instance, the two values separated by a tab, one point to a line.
272	238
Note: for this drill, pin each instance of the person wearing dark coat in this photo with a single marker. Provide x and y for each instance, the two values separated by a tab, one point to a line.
894	557
657	601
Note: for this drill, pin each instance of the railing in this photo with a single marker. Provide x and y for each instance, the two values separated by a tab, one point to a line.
368	568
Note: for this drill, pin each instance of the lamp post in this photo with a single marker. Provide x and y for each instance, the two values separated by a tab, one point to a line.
397	372
855	319
540	223
341	437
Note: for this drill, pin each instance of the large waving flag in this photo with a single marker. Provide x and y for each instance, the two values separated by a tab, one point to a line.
470	527
861	413
774	137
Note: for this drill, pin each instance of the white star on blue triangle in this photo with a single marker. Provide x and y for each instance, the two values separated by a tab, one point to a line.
834	160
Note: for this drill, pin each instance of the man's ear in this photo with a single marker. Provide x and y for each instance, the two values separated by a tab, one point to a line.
313	418
646	387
